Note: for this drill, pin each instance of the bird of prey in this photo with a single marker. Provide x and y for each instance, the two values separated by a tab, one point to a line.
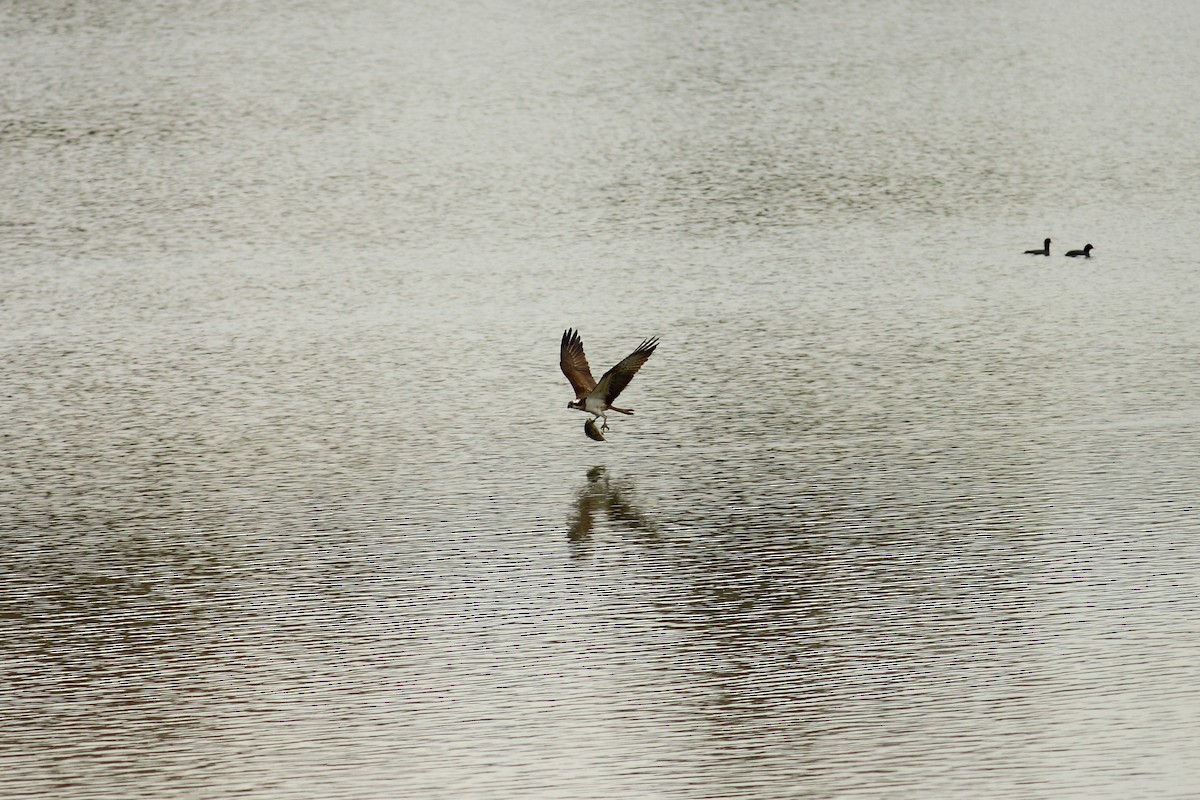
1086	252
1045	251
596	398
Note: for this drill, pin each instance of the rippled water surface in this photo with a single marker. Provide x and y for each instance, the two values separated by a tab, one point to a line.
291	502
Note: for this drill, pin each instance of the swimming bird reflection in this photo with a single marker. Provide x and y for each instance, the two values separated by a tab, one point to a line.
1045	251
601	496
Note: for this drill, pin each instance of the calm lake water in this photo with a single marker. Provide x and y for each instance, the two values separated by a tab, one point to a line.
292	504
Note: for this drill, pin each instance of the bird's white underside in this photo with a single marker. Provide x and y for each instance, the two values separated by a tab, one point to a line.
594	404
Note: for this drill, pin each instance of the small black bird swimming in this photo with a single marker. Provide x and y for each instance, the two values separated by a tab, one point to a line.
1086	252
1045	251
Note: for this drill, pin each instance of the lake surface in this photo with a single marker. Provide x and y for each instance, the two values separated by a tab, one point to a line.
291	502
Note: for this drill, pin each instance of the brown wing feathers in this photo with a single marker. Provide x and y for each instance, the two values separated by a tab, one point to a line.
574	364
616	379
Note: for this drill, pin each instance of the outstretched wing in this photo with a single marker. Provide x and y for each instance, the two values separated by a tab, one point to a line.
574	364
613	382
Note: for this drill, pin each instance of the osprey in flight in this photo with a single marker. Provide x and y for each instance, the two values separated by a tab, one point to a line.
590	396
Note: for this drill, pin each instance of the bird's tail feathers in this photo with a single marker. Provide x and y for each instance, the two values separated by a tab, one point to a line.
621	410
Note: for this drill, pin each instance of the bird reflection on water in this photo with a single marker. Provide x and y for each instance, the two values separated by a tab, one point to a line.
600	495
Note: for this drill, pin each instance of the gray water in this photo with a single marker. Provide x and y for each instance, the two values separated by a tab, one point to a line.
291	502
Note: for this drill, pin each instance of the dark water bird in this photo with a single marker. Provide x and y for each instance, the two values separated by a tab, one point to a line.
596	397
1086	252
1045	251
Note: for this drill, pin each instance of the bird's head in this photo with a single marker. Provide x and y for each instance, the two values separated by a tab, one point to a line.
574	404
